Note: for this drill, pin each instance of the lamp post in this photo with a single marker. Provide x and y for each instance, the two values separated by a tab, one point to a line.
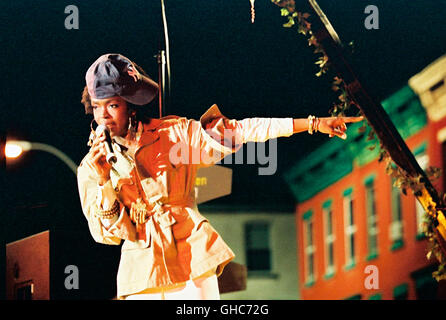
14	149
36	279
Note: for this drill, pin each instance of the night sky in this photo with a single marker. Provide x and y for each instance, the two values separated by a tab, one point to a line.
217	56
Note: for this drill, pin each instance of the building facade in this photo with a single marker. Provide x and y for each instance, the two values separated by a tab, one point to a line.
358	236
264	241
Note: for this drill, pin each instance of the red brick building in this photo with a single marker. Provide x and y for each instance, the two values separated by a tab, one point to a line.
358	237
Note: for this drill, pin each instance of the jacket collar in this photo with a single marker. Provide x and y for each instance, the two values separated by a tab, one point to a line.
152	124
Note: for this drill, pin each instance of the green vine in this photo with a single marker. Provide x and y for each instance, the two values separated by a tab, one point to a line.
400	177
404	181
300	20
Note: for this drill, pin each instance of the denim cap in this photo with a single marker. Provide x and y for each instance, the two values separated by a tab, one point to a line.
112	74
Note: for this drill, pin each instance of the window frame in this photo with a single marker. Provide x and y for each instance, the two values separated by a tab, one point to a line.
350	229
248	249
423	159
371	218
396	227
329	239
309	249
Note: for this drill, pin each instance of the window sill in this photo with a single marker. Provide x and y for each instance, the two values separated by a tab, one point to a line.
355	297
372	256
329	275
350	266
377	296
309	283
262	275
420	236
397	244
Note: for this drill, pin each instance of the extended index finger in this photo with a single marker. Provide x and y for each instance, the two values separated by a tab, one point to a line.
352	119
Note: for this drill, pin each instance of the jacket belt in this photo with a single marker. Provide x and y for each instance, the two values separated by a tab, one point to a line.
163	214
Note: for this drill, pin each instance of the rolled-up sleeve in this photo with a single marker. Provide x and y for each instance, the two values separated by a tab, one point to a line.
263	129
93	196
217	136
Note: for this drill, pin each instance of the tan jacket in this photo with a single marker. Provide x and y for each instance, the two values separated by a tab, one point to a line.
176	243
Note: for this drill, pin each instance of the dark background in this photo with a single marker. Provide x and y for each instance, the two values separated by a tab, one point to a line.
217	56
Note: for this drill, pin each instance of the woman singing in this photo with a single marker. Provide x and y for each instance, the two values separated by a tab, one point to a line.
147	196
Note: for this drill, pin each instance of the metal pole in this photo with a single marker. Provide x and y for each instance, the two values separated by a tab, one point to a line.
27	145
167	48
56	152
162	81
163	58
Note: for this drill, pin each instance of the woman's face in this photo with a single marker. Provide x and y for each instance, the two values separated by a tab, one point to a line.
111	112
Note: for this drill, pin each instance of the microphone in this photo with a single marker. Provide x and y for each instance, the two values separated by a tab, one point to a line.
111	157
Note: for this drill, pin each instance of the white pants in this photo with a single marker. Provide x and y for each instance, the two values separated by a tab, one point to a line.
204	288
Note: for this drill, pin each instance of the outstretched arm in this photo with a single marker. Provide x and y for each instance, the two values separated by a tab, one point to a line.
215	134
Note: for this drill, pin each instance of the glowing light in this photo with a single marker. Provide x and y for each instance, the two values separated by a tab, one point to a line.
13	150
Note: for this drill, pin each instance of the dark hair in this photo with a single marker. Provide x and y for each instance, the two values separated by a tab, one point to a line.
141	112
86	101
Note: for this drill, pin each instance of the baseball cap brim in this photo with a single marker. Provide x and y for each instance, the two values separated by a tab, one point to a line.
141	92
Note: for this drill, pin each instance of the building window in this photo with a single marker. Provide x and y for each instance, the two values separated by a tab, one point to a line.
354	297
372	226
438	90
350	229
423	160
396	226
309	250
329	239
426	287
24	290
377	296
258	252
401	292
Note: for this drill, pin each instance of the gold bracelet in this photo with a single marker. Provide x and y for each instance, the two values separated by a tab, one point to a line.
316	124
310	123
108	214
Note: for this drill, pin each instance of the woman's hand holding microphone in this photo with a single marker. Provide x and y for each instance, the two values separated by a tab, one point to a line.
98	158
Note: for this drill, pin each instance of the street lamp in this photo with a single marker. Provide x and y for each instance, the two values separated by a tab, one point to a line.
14	149
19	253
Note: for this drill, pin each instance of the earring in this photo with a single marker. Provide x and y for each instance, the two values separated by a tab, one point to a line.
132	123
92	133
132	127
